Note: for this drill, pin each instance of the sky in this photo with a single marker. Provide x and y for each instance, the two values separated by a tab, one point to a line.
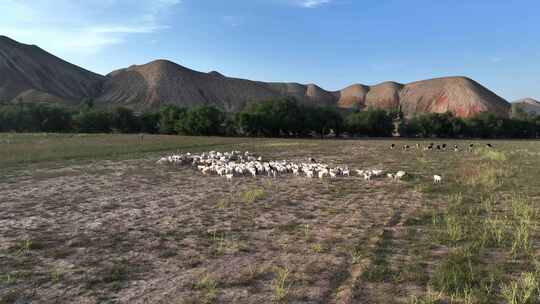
333	43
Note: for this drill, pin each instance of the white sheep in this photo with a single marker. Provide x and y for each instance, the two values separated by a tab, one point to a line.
332	173
376	172
437	179
400	174
229	177
162	161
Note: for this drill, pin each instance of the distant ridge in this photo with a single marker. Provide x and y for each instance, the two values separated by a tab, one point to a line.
529	105
30	73
27	73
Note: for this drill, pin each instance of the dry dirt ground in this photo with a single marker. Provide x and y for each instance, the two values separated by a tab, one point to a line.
130	231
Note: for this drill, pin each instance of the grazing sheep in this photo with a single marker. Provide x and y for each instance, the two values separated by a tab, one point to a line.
400	174
390	175
241	164
437	179
376	173
332	173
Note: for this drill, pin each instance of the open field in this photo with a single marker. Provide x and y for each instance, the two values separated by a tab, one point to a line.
93	219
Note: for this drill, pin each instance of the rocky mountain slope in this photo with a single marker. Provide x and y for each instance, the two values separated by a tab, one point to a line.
27	73
529	105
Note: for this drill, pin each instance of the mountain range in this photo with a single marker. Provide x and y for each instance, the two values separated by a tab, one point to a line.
529	105
30	74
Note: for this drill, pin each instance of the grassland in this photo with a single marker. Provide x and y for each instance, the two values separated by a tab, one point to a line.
92	219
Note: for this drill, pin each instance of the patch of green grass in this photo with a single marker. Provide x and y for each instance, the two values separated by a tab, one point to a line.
490	154
379	270
8	278
281	284
317	248
208	286
39	147
430	297
457	273
523	290
218	242
252	195
413	271
56	275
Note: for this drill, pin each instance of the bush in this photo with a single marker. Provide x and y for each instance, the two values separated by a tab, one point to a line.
93	121
287	117
149	122
203	120
168	118
35	118
482	125
370	123
125	121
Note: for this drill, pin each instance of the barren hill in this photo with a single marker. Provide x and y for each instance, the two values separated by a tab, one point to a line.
161	81
459	95
28	73
529	105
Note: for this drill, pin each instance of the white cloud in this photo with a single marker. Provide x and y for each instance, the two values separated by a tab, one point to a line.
314	3
81	28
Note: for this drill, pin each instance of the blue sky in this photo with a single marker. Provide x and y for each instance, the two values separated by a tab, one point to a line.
332	43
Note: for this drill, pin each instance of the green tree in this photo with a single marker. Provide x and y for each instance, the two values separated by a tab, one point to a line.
168	118
149	122
202	120
373	122
125	121
93	121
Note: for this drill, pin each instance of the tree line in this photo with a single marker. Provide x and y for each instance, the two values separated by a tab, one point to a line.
278	117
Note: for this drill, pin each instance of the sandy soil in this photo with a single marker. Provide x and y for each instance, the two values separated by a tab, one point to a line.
133	232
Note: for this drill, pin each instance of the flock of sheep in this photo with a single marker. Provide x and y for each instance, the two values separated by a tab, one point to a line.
437	147
236	163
